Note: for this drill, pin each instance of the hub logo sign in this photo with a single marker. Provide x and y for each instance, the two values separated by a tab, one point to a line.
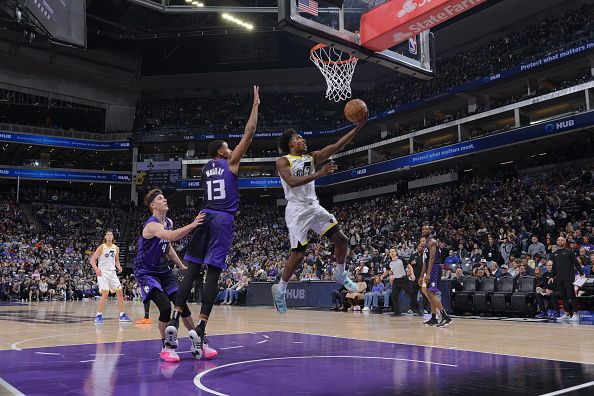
559	126
296	294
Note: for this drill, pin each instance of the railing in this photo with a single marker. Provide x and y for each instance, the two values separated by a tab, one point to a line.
64	133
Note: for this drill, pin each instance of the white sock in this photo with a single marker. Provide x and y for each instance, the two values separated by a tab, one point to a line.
122	313
282	286
99	313
339	268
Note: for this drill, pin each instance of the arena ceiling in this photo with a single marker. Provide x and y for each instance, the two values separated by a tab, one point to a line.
174	37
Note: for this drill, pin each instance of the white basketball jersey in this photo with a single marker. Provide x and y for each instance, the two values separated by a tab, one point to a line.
300	166
107	257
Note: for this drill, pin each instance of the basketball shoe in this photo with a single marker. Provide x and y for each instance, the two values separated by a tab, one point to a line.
200	346
343	279
171	336
278	298
169	355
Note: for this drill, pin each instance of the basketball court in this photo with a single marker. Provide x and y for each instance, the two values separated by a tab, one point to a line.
51	348
56	348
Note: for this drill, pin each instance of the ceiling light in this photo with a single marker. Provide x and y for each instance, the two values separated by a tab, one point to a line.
231	18
507	163
197	3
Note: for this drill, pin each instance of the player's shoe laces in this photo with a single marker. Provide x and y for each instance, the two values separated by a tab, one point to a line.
343	279
278	298
169	355
99	319
445	321
124	318
143	321
431	322
171	336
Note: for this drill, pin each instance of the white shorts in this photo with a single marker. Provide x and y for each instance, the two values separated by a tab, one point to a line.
302	217
108	281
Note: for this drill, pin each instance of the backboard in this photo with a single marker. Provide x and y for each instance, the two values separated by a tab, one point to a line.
339	27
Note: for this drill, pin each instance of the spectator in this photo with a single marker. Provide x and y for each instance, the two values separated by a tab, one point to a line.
371	299
536	247
354	298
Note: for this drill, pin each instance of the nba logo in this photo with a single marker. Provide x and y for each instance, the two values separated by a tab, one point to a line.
412	45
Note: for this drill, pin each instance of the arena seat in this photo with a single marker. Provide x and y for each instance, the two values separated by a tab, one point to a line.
523	301
501	299
463	298
482	298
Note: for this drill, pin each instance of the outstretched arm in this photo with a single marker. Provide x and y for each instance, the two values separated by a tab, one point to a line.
328	151
282	166
248	135
157	230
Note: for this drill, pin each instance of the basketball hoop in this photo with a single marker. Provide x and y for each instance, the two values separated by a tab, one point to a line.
337	67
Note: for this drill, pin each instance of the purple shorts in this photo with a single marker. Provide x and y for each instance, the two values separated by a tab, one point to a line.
434	278
210	243
165	282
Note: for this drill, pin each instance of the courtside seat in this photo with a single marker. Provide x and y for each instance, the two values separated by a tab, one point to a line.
501	299
482	298
523	301
463	298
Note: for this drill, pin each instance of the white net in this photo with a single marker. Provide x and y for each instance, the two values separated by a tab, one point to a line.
337	67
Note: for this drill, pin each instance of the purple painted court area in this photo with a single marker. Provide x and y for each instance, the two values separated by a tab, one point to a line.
276	363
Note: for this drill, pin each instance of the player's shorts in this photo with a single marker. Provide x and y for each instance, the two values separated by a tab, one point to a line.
210	242
165	282
434	278
108	281
302	217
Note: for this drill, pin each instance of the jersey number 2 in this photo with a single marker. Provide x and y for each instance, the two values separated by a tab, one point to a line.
215	190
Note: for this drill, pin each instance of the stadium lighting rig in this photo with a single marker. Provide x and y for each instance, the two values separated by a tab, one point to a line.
238	21
195	3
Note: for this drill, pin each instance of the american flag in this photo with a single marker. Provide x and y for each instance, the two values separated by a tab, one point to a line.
309	6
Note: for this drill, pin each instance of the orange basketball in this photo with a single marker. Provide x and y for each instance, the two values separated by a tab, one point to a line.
355	110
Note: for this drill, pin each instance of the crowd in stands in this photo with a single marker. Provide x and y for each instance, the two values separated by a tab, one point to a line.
486	227
482	223
44	247
306	111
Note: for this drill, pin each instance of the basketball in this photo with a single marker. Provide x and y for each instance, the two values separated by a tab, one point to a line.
355	110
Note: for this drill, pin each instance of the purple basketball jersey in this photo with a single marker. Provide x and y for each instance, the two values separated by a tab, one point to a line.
220	186
150	258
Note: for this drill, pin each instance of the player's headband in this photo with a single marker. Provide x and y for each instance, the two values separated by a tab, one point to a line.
152	197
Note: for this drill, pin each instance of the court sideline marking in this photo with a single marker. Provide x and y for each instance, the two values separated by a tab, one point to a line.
10	388
566	390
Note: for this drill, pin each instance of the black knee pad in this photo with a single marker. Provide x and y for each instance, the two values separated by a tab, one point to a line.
165	314
162	302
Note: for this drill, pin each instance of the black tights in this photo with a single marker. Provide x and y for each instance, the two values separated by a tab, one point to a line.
163	302
211	288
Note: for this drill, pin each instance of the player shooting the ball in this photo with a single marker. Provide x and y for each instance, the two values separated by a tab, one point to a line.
298	174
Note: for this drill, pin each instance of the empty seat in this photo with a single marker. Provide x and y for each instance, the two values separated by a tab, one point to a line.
523	301
501	299
463	298
482	297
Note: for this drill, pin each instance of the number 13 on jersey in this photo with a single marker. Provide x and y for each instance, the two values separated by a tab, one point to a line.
215	189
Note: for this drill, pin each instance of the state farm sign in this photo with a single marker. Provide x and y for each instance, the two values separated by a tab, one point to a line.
396	21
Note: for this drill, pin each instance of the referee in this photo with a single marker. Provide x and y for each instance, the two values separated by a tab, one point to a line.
565	265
